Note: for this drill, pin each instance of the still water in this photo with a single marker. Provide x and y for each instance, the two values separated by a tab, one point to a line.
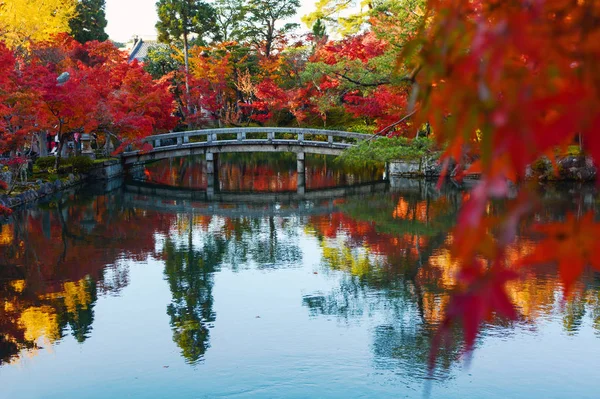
136	290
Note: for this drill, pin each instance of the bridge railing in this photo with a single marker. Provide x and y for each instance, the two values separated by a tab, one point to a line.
249	135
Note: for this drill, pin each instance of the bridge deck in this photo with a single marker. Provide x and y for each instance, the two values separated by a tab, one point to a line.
200	142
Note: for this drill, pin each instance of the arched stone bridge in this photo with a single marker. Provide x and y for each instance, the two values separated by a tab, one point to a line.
211	142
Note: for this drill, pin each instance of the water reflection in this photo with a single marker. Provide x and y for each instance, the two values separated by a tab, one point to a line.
382	256
259	172
190	272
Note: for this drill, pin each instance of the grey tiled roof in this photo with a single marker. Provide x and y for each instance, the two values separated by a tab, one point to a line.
140	49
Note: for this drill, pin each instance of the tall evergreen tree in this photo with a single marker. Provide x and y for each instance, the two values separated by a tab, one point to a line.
90	21
265	15
178	19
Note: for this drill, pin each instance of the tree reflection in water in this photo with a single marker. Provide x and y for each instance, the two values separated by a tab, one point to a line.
392	253
190	273
57	257
386	255
197	248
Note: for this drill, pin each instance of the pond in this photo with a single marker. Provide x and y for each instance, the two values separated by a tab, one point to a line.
132	289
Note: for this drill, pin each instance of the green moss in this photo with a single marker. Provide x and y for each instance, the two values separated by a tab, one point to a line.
383	150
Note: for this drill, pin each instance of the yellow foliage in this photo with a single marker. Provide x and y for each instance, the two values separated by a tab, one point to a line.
347	15
22	21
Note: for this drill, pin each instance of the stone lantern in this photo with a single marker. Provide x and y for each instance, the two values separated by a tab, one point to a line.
86	148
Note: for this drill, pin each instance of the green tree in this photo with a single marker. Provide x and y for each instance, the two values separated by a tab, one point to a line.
230	15
265	16
161	60
89	22
319	29
178	19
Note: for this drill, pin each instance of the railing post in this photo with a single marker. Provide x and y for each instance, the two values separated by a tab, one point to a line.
214	137
300	137
270	136
156	143
239	136
179	140
209	138
330	139
186	139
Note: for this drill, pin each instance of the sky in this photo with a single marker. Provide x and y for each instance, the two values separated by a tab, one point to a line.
127	18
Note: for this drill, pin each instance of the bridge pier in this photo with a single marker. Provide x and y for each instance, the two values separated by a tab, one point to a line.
300	162
301	184
300	168
212	174
212	163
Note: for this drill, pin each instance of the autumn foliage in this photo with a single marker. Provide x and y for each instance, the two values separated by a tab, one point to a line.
508	82
63	89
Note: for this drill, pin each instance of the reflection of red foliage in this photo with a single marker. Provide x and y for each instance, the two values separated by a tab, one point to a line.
4	211
59	248
572	244
483	295
235	176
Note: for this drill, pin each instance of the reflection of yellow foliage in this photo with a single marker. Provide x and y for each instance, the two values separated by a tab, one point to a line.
434	306
40	322
417	212
9	307
74	294
17	285
6	234
447	267
77	294
357	263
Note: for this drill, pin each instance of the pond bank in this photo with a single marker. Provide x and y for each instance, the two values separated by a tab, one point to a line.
567	169
104	171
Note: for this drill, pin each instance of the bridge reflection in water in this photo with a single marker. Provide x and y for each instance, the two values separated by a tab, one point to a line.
255	173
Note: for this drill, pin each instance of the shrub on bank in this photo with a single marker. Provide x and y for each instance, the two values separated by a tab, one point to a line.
79	164
381	150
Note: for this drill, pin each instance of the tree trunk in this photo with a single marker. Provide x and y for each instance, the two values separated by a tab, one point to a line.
42	143
187	70
61	144
269	41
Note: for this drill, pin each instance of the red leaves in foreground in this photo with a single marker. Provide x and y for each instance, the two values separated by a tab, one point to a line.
481	296
572	244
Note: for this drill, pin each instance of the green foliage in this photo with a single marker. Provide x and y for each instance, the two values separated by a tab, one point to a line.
382	150
319	29
89	22
44	163
230	16
81	164
179	18
161	60
264	20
